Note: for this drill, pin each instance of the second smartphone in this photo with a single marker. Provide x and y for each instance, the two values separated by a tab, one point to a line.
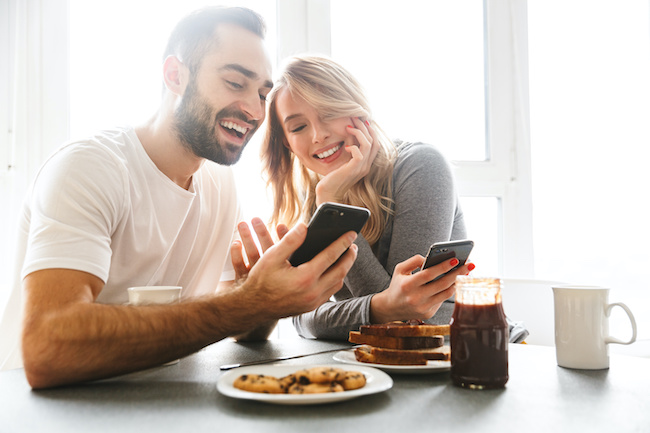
441	251
330	221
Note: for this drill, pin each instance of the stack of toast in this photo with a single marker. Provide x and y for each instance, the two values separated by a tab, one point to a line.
401	343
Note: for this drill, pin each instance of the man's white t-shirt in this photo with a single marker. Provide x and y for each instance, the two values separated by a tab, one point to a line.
102	206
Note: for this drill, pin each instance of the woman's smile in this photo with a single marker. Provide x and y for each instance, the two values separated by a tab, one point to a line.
329	152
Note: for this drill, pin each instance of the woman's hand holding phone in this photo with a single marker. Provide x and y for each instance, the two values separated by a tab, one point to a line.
441	251
332	186
416	295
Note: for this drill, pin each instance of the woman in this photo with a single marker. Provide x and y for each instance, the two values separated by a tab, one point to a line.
323	145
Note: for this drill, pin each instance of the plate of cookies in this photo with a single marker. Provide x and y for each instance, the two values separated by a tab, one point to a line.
302	385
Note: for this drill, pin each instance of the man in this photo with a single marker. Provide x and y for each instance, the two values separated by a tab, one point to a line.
156	205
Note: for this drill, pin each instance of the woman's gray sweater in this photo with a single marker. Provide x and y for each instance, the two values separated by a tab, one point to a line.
426	210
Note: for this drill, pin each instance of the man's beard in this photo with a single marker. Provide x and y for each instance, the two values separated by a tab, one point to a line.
196	123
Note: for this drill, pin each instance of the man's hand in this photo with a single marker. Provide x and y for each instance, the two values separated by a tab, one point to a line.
243	265
286	290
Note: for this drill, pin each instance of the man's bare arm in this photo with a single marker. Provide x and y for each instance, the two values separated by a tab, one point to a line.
69	338
259	333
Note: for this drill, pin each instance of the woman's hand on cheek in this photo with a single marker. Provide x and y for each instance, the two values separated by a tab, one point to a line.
335	184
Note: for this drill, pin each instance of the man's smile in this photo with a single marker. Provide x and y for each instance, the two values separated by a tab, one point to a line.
234	129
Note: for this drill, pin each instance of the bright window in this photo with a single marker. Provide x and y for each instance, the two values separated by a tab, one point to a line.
590	136
422	64
116	53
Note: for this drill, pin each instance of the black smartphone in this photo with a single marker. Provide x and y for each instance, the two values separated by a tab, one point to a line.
330	222
441	251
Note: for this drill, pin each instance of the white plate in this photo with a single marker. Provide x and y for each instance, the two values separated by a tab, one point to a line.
347	357
376	381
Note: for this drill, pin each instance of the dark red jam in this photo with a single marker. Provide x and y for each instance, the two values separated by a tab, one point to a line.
479	346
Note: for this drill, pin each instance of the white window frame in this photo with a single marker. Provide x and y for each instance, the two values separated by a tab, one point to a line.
507	175
303	26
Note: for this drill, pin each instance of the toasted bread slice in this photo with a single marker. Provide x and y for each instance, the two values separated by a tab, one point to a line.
407	343
378	355
402	329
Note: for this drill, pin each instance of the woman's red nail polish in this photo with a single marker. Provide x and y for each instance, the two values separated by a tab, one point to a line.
471	266
367	123
454	262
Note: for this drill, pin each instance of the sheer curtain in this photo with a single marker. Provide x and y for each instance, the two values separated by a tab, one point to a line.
37	107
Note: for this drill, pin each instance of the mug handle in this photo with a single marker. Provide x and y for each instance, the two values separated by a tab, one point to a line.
610	339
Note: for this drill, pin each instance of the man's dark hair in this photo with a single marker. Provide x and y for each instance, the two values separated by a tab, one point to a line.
193	36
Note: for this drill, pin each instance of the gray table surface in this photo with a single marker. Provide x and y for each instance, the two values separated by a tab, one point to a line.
539	397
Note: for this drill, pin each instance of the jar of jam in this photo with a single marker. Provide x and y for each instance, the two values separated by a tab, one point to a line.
479	335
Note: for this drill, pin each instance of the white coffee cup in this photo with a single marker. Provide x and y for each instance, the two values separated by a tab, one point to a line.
582	326
147	295
152	295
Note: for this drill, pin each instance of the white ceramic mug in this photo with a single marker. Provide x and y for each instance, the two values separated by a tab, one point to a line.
151	295
154	295
582	326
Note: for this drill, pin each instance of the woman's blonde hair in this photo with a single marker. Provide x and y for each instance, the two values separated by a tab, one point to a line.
334	93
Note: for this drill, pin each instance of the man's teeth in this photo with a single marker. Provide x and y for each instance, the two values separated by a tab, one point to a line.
327	153
234	127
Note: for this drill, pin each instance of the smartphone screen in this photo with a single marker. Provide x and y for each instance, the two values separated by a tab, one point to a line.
330	221
442	251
